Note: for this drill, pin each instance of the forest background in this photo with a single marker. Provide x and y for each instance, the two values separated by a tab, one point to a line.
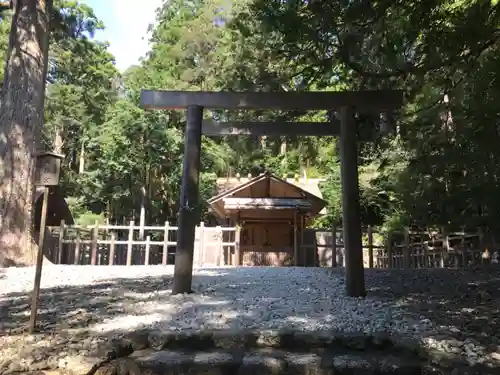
441	167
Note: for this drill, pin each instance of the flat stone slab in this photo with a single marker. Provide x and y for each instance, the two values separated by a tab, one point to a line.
278	362
261	362
245	352
279	339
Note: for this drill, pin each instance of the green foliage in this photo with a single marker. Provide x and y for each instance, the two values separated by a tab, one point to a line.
80	213
434	173
437	170
207	190
90	218
76	206
331	190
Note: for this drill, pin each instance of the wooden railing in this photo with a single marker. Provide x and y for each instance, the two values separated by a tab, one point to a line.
133	244
411	249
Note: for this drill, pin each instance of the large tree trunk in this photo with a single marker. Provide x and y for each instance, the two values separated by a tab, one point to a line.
21	121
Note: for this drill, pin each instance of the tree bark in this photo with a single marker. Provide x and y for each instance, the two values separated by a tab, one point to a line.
21	122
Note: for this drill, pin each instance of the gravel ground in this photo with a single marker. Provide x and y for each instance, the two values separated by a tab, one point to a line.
448	308
124	298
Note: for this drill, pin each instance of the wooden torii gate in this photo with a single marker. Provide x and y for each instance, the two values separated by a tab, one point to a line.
345	103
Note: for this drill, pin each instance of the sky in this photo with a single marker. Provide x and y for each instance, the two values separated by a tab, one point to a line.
126	24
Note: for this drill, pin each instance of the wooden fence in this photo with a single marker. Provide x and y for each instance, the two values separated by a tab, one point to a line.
407	249
147	245
133	244
438	249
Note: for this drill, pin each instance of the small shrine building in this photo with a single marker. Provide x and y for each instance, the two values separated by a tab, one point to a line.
272	214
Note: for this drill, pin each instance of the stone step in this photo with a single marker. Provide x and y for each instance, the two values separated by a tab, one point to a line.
150	352
260	362
280	339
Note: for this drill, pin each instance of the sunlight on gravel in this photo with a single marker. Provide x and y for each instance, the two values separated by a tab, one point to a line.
117	298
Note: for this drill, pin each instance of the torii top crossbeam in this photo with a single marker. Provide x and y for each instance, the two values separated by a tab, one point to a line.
361	101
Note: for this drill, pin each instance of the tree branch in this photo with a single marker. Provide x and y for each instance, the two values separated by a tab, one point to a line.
343	54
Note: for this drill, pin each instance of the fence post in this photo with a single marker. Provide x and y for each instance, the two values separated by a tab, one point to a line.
445	247
77	247
201	244
389	251
481	244
141	220
464	250
407	248
370	246
61	242
426	254
237	252
130	242
334	245
219	246
295	239
486	245
93	245
165	244
147	250
112	249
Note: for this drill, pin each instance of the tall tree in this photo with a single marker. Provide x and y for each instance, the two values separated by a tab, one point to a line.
21	121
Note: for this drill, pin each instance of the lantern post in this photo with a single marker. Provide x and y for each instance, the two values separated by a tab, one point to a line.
48	167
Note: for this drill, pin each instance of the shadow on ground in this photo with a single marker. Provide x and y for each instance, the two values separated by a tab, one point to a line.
92	306
465	302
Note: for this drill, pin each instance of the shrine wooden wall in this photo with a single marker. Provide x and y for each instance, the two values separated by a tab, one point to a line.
267	244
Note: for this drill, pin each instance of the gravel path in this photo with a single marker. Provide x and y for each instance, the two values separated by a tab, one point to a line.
440	305
119	298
